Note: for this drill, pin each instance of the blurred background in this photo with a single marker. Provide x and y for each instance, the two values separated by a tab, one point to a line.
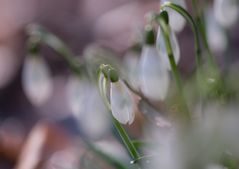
79	23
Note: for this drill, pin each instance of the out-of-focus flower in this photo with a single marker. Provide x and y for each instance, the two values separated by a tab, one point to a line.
131	62
36	81
217	38
226	12
154	76
210	141
161	47
112	148
165	151
87	106
122	103
176	21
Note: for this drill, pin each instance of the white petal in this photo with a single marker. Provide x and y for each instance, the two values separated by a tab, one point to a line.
217	38
104	86
176	21
37	83
154	76
226	12
122	103
161	47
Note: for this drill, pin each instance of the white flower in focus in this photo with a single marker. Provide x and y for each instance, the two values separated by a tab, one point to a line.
154	76
122	103
217	38
161	48
176	21
37	82
88	108
226	12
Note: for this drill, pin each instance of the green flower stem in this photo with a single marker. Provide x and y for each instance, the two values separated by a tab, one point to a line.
45	37
166	33
123	134
127	141
201	27
188	17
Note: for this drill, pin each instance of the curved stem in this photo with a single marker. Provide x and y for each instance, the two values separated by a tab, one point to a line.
55	43
188	17
201	26
166	33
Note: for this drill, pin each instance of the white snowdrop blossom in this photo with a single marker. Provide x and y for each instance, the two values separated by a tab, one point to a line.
161	48
226	12
217	38
37	83
176	21
122	103
87	107
154	76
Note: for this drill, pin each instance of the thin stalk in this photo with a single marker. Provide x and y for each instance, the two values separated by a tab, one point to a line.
166	33
123	134
126	140
193	24
45	37
201	26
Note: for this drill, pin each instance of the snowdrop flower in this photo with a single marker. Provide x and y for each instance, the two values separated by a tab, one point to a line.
176	21
217	39
122	103
161	47
226	12
87	107
37	82
154	76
